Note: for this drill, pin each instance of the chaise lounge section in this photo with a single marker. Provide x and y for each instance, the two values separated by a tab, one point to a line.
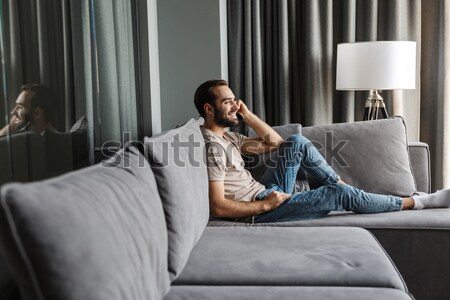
417	241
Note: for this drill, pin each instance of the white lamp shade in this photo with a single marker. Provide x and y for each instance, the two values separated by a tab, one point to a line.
385	65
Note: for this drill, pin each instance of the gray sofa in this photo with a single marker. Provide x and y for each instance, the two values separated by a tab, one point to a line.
135	227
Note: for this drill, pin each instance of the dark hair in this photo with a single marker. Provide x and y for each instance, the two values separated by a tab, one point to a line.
42	97
205	94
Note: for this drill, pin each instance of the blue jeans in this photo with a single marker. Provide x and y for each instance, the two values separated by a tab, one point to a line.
296	152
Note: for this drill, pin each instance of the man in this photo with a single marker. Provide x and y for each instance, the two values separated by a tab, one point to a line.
233	192
34	110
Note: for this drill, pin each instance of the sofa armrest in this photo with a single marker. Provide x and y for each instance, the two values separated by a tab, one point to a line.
420	161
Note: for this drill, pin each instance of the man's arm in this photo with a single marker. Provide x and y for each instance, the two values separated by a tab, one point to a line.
268	140
225	208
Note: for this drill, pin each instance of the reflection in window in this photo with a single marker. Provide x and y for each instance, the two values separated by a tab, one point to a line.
68	82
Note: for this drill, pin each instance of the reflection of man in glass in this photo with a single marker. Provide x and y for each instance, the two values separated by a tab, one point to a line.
34	110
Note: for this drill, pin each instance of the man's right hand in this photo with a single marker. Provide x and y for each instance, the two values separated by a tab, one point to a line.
275	199
222	207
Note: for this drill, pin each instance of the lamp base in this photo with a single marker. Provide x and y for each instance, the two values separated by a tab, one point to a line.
375	107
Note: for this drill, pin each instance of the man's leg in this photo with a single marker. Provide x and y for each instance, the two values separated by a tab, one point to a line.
333	197
297	151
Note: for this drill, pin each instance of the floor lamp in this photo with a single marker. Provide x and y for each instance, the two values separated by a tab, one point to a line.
376	66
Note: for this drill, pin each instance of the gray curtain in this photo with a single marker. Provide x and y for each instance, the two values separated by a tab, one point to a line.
435	87
105	80
37	49
282	63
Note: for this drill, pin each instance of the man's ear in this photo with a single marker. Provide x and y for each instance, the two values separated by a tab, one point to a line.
209	109
38	113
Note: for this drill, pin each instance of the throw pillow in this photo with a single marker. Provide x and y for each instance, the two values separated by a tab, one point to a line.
370	155
177	158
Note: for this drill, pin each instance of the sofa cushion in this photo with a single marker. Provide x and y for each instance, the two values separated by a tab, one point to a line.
177	158
370	155
274	256
97	233
284	292
427	219
422	236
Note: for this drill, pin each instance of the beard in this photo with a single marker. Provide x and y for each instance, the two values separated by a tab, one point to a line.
18	122
222	118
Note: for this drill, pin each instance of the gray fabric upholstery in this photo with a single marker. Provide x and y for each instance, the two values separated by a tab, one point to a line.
177	159
100	229
284	131
370	155
289	257
427	219
285	292
420	161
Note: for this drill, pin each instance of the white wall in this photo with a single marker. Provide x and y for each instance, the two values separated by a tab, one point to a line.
192	49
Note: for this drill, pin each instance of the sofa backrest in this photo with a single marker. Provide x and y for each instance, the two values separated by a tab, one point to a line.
177	158
100	229
419	154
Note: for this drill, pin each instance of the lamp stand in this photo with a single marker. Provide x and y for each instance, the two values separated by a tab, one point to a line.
374	106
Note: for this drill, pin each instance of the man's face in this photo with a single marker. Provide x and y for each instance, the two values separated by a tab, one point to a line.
21	114
225	108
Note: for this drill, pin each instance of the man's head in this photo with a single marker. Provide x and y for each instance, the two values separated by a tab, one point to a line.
34	105
214	100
